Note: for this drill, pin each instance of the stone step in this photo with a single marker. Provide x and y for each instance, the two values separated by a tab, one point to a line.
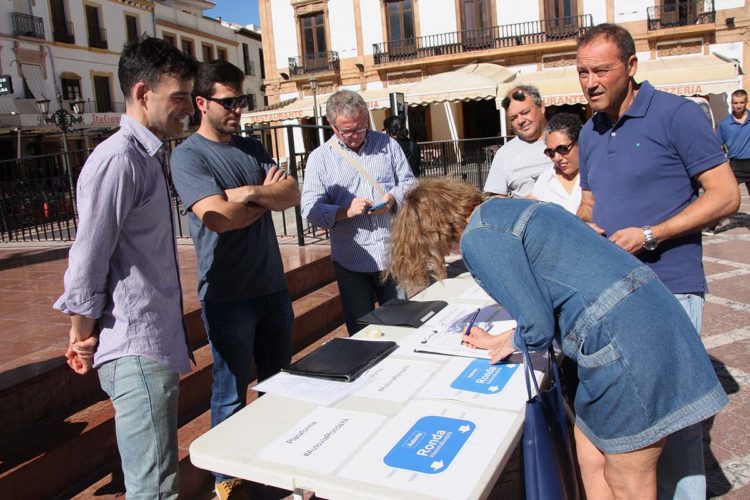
58	446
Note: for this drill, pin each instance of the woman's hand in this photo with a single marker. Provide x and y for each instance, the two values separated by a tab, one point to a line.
499	346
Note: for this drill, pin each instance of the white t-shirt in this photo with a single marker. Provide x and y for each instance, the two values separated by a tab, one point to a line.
516	166
548	188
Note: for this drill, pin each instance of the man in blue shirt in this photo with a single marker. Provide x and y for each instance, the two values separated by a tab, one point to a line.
641	157
122	286
230	185
734	133
338	196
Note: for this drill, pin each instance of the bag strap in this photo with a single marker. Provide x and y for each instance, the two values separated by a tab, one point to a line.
357	166
529	370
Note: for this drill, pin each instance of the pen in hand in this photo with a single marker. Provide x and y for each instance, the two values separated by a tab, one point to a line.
471	322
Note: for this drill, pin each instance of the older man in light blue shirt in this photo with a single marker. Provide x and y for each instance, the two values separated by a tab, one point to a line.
357	206
122	286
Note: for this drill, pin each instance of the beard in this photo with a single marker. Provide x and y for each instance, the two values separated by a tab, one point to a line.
220	126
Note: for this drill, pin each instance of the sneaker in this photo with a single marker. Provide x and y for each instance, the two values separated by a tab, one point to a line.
231	489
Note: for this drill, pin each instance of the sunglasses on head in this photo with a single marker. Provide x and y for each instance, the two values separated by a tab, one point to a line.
561	150
518	95
231	103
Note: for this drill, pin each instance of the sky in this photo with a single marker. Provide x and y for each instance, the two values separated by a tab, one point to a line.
236	11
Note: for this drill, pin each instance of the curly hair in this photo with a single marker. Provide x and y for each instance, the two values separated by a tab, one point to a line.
565	123
432	218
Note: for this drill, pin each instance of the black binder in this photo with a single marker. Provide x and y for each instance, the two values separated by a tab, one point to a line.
400	312
342	359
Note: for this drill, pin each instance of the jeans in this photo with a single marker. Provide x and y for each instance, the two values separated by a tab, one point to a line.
356	290
239	331
144	394
681	472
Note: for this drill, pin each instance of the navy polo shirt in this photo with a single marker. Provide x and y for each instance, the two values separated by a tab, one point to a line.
640	172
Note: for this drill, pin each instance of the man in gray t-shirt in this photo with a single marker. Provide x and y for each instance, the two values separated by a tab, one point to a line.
230	184
519	162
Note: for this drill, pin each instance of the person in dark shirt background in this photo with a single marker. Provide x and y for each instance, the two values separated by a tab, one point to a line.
396	129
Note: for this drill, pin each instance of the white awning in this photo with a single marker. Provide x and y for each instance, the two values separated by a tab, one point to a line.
472	82
34	78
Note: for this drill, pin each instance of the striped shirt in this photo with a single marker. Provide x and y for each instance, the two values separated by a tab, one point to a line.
122	268
359	244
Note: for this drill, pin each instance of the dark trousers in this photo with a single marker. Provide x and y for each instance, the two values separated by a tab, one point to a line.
357	291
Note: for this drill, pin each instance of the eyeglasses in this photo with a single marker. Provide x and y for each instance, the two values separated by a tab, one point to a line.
561	150
351	133
231	103
518	95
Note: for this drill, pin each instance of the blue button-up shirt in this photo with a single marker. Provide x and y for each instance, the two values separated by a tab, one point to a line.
359	244
122	268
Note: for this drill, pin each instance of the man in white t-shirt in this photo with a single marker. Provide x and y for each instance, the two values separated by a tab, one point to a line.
520	161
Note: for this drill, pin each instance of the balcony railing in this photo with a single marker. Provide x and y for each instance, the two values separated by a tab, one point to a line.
97	37
314	63
91	106
495	37
63	32
27	25
681	13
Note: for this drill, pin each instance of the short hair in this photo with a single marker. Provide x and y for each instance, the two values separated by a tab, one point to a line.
346	103
740	93
565	123
147	59
395	127
622	38
217	71
516	92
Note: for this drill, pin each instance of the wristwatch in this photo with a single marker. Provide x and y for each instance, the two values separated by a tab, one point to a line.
649	242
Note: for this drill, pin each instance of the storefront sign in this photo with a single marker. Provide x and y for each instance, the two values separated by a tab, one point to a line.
6	85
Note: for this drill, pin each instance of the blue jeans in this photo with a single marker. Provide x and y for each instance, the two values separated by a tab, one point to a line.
681	472
144	394
239	331
357	289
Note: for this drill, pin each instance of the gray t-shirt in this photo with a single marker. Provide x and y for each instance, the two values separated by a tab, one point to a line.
239	264
516	166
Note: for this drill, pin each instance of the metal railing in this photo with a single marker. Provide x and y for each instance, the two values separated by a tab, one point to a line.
465	159
681	13
91	106
97	37
314	63
27	25
495	37
62	31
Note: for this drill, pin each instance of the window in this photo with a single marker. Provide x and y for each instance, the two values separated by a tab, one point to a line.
62	29
71	89
400	20
97	34
208	52
249	67
559	9
187	47
476	14
253	102
102	94
562	20
262	65
170	39
221	53
678	12
131	27
314	46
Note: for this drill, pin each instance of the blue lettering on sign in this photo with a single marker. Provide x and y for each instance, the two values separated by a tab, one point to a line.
430	445
485	378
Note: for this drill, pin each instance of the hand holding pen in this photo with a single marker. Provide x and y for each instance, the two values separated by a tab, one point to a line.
471	322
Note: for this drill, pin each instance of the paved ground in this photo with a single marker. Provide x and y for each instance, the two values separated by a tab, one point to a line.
31	332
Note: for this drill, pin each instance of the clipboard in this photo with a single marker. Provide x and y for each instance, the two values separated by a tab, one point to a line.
400	312
341	359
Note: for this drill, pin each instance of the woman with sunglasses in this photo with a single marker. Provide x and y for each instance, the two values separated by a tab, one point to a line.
560	184
634	345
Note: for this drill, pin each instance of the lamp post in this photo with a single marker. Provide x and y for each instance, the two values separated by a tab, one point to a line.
314	88
64	120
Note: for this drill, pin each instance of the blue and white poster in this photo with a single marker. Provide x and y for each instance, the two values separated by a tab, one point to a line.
483	377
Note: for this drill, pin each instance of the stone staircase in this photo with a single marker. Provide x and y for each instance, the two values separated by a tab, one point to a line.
58	437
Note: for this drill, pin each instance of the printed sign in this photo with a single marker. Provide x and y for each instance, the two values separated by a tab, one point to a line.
6	85
482	377
430	445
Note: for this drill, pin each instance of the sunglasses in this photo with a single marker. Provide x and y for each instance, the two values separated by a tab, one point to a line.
561	150
231	103
518	95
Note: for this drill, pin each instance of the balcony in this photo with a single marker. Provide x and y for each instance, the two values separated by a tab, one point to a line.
495	37
104	106
97	37
63	32
314	63
27	25
681	13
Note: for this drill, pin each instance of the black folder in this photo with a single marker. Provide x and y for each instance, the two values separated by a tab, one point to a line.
342	359
400	312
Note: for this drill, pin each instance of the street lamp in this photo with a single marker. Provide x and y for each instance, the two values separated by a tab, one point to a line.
314	88
63	120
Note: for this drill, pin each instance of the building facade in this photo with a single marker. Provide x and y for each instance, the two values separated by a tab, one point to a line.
452	58
66	51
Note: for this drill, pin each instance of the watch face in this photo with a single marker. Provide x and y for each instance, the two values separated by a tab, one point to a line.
650	245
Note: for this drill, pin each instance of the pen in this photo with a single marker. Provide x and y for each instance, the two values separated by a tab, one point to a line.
471	322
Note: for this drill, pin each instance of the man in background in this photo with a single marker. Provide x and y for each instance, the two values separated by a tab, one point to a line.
734	133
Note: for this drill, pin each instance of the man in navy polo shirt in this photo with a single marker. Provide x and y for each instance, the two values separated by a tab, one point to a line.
642	157
734	133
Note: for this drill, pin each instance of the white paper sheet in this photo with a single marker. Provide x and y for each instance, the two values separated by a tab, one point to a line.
396	379
313	390
435	448
323	440
476	292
